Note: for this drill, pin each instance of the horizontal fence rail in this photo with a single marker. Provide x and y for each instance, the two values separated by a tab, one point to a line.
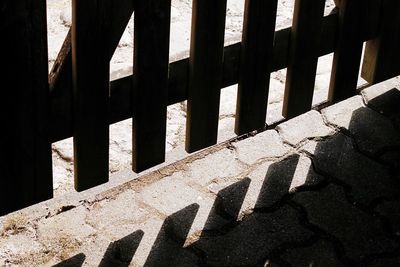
78	100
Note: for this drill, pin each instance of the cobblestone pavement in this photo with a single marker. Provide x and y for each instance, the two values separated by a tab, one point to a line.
322	189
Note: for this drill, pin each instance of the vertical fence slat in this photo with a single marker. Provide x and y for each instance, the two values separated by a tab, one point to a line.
347	56
150	95
90	72
60	77
25	163
382	55
255	65
303	56
205	73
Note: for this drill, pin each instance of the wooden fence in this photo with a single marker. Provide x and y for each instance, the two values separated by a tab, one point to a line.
77	98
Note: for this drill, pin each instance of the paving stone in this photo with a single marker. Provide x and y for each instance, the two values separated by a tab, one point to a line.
169	196
22	250
308	125
391	210
384	97
385	262
285	177
267	144
368	179
109	214
221	164
64	233
251	242
168	249
392	158
270	182
359	233
321	253
372	131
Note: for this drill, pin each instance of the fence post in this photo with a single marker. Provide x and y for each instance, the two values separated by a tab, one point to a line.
347	57
150	91
303	57
205	73
90	72
255	65
25	162
382	54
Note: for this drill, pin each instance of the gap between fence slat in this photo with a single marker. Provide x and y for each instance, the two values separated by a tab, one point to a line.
121	106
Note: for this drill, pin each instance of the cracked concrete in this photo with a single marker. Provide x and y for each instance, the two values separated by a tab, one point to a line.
319	190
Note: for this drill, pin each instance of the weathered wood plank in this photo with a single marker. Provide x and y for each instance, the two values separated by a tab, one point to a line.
205	73
121	106
347	57
90	73
382	55
255	65
303	57
150	94
25	162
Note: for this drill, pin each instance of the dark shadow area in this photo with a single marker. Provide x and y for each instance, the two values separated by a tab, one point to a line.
226	206
277	182
167	249
387	103
75	261
120	253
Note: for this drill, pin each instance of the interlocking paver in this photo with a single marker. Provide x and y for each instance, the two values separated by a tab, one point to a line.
359	233
368	179
385	262
169	196
308	125
372	131
253	239
267	144
320	253
384	97
220	164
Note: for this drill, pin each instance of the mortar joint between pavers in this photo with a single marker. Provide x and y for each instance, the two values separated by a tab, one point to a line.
321	233
327	123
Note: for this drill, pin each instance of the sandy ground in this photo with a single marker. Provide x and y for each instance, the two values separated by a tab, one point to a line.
59	21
